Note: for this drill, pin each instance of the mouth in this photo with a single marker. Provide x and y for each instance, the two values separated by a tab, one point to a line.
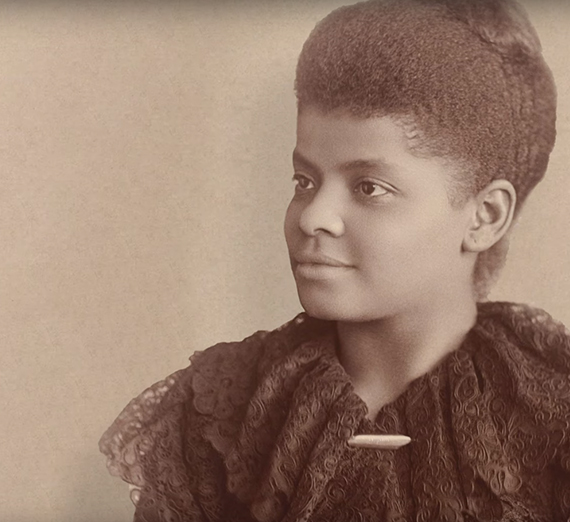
318	266
319	259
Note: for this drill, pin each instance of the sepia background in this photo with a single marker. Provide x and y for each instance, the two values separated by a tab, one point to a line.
145	170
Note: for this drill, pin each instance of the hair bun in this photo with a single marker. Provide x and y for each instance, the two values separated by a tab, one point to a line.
502	23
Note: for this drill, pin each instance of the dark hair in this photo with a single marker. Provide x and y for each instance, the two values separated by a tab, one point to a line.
466	78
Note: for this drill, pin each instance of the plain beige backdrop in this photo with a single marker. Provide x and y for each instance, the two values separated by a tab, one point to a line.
145	170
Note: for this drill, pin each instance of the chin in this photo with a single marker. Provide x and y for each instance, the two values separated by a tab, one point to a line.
329	309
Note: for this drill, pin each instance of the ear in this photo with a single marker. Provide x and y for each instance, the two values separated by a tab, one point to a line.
492	216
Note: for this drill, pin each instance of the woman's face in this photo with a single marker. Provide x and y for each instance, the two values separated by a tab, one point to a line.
370	229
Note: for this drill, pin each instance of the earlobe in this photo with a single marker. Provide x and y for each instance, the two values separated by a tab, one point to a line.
492	216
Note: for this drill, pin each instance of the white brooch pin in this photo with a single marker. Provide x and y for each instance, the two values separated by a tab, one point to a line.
385	442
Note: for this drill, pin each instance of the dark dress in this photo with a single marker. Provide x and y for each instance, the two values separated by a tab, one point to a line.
257	431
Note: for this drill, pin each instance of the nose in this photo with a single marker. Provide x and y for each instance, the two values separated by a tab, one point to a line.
323	215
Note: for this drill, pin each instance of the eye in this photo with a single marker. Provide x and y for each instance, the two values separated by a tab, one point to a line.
302	182
371	189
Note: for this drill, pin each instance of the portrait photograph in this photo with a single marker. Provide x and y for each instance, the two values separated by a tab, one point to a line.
285	261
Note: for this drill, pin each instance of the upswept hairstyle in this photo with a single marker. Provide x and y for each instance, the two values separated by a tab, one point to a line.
465	77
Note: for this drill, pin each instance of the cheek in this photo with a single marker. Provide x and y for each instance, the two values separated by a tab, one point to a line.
405	241
436	242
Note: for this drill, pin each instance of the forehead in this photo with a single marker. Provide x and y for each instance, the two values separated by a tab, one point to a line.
340	135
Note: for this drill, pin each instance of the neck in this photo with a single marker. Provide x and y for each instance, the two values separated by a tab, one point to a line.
384	356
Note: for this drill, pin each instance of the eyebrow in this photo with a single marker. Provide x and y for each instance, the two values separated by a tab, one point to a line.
359	165
302	161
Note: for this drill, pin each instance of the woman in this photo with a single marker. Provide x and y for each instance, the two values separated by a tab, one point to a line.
422	128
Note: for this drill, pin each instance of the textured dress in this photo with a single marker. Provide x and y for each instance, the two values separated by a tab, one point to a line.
257	430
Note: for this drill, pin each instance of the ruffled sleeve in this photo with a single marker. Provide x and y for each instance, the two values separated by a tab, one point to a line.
157	445
210	441
140	447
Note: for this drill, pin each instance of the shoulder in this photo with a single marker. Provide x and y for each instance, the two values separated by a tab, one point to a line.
217	384
512	394
523	356
225	375
526	331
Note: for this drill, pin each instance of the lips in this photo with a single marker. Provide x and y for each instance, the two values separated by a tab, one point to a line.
318	266
319	259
